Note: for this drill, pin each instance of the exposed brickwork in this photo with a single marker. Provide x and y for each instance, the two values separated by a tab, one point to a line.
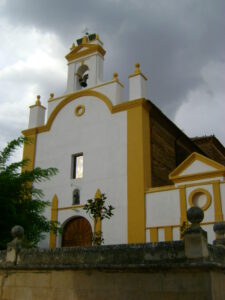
169	147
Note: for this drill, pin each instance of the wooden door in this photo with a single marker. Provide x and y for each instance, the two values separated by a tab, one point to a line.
77	232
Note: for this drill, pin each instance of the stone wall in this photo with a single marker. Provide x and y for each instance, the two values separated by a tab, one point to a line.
102	285
142	271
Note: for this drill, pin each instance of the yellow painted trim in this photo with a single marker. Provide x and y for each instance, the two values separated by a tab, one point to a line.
189	160
57	98
130	105
54	218
217	202
138	170
79	110
97	225
168	233
87	89
183	206
173	187
71	207
200	183
200	191
208	223
140	74
83	93
161	189
177	226
64	102
153	235
85	58
97	221
199	176
163	226
29	150
37	105
84	50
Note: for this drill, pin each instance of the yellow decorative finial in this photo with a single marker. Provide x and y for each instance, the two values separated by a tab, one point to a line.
137	68
98	194
115	75
85	40
38	102
73	46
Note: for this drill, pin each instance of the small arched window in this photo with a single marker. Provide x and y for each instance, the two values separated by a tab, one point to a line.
76	197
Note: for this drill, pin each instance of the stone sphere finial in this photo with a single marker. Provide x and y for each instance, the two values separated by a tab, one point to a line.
115	75
17	231
195	215
219	228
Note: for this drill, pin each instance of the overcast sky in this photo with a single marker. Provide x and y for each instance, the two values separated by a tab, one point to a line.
180	45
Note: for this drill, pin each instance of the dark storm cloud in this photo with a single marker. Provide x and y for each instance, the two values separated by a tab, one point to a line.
173	40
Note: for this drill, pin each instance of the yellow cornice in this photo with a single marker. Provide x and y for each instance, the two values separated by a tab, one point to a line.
173	187
161	189
37	105
87	50
199	176
141	74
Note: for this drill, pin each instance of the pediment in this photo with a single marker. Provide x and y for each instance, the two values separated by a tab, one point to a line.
83	50
195	167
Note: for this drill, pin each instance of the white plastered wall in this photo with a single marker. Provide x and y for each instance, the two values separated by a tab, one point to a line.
137	87
162	208
101	136
37	116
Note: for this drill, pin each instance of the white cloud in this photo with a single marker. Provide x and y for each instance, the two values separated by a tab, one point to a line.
202	112
31	63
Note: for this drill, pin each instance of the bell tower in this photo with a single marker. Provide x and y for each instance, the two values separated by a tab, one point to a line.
85	63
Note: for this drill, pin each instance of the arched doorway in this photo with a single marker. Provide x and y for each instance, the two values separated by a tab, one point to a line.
77	232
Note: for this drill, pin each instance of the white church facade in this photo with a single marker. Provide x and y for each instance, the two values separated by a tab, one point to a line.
127	149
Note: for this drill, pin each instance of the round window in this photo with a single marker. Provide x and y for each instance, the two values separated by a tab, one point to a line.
79	110
200	198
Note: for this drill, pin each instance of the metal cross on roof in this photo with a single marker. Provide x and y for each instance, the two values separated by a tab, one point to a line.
85	31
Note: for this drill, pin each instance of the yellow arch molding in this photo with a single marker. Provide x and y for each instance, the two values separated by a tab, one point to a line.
112	108
64	102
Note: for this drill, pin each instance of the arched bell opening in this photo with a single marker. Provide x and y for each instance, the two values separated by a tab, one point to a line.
77	231
81	77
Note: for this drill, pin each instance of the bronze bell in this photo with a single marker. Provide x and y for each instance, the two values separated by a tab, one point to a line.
83	80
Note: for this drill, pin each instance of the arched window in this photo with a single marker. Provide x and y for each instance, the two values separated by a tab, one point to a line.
82	77
76	197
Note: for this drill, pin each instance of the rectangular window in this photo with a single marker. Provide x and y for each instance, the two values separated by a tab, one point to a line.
77	165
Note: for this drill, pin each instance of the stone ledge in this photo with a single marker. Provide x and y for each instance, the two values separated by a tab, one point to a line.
163	255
